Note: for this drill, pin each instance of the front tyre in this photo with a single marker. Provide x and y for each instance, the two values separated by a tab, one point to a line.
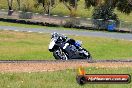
89	58
59	55
87	54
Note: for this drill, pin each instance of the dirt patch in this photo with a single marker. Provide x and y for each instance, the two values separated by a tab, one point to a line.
54	66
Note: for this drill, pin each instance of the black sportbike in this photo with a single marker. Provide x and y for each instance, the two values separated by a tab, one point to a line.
64	48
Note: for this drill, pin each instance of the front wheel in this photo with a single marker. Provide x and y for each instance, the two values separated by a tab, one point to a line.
87	55
89	58
59	54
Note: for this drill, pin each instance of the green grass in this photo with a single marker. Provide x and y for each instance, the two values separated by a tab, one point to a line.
15	46
64	11
58	79
33	26
33	46
20	25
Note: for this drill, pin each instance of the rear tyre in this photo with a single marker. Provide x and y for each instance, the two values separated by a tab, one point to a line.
59	55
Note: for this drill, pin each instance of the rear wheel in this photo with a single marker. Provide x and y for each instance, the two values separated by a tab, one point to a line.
60	55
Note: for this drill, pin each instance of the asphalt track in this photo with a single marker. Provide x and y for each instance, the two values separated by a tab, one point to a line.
121	36
113	35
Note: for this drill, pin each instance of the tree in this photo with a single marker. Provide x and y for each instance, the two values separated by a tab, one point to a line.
47	5
71	5
19	4
130	1
9	4
124	6
93	3
103	15
104	9
10	7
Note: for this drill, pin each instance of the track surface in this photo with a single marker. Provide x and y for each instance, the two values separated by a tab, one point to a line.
59	61
55	65
72	32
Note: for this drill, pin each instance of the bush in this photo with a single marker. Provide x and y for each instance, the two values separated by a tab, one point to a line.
25	15
26	11
101	16
70	23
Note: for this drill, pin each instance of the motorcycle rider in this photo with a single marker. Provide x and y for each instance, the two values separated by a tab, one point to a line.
72	42
68	40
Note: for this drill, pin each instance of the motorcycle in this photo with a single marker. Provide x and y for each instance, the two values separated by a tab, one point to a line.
64	48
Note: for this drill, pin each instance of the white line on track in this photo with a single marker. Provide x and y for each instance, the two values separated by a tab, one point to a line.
16	30
29	31
40	32
77	17
55	15
66	16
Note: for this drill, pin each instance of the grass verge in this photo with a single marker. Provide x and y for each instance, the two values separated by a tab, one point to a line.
58	79
34	46
32	26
